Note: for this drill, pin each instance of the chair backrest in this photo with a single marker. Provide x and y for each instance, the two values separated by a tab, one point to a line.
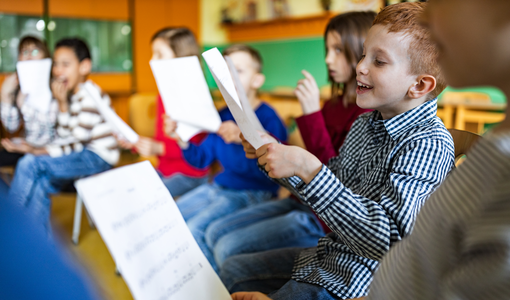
463	141
463	97
142	113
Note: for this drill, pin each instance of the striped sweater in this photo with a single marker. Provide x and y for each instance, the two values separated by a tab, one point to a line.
82	127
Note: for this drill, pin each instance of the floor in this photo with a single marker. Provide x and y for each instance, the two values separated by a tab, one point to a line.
90	251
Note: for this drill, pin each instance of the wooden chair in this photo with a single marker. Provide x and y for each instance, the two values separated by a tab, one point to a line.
472	107
463	141
446	114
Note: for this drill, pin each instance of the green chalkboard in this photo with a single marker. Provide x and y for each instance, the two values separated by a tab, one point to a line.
284	60
109	41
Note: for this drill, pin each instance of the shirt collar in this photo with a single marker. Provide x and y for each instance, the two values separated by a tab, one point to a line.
402	123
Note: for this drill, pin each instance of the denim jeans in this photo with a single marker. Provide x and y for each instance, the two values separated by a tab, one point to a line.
37	177
210	202
4	190
266	226
179	184
269	272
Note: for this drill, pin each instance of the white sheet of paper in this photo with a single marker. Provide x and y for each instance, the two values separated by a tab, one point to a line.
119	126
147	236
247	128
219	67
187	131
185	93
34	81
245	103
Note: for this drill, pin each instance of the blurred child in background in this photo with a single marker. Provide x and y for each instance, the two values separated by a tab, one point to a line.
288	222
85	144
240	184
177	174
39	127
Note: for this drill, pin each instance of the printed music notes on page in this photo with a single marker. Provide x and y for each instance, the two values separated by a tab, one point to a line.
147	236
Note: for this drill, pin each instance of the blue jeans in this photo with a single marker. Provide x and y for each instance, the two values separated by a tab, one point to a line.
37	177
4	190
266	226
270	273
179	184
210	202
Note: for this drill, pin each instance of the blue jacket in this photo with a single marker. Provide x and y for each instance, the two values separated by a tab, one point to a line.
239	172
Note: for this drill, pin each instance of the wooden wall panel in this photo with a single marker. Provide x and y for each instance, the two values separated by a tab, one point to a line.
149	17
22	7
89	9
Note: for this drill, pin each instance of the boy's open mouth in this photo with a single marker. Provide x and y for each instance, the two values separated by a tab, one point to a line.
363	88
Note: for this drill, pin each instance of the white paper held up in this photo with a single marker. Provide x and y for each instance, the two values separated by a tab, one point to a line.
245	103
147	236
186	98
119	126
218	66
34	81
242	120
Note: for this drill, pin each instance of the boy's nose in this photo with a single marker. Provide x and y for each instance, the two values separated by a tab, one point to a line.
360	69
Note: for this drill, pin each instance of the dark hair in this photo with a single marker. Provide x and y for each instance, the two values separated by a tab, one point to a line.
254	54
78	46
180	39
352	28
38	43
423	52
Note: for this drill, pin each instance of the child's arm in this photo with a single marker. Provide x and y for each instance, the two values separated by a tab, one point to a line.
203	155
367	227
9	113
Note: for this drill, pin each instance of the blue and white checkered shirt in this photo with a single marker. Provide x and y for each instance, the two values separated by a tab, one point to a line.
370	195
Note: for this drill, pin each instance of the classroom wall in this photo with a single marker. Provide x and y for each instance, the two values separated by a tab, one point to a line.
150	16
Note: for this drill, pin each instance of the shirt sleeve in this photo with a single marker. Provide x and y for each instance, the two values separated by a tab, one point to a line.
172	149
202	155
10	117
315	136
368	227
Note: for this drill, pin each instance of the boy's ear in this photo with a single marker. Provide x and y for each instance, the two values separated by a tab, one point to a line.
85	67
257	81
424	85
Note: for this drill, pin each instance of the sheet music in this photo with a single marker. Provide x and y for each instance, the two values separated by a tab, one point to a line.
185	95
119	126
242	120
219	67
34	81
147	236
245	103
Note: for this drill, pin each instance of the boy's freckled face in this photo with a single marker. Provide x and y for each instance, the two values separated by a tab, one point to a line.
66	67
384	72
473	48
246	68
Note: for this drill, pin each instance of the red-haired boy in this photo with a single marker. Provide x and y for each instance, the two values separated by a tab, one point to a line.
391	161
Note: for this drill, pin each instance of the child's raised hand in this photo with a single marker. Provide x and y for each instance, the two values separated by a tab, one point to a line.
229	132
249	296
308	94
282	161
249	150
59	90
